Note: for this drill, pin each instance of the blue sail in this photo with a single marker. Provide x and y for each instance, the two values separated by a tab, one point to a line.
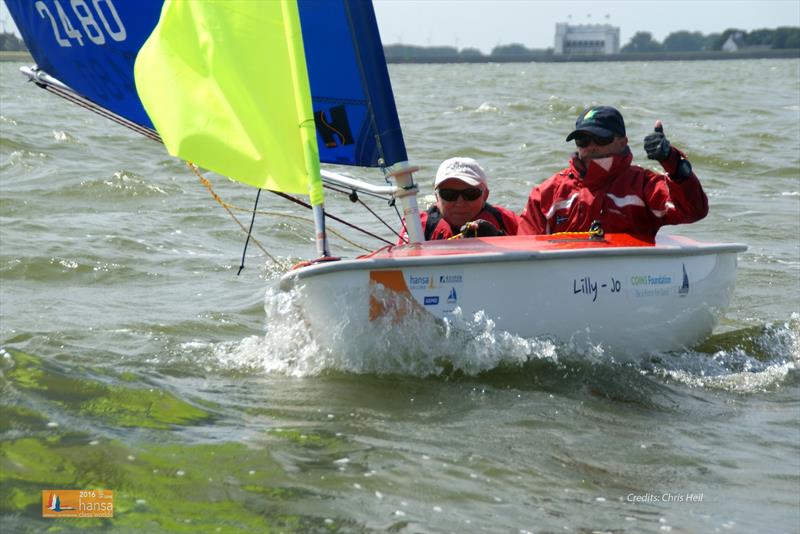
354	107
91	46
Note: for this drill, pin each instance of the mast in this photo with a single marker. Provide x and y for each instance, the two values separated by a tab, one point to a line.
407	193
308	133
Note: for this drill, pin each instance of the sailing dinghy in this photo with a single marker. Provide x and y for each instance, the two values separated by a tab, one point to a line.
263	92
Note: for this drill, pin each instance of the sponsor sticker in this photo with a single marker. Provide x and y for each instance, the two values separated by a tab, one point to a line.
452	297
684	289
439	291
77	503
651	280
418	282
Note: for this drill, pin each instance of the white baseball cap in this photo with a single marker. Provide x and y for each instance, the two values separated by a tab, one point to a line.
467	170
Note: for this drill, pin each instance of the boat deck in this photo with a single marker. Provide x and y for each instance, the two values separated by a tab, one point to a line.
534	244
514	249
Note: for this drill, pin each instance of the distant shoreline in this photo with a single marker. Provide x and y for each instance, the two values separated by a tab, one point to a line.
793	53
15	56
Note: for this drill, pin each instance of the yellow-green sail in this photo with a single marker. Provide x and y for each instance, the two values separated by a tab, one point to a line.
226	86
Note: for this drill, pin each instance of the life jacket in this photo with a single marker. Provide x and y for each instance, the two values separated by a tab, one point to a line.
435	216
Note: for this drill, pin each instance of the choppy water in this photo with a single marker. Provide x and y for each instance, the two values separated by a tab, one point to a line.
135	359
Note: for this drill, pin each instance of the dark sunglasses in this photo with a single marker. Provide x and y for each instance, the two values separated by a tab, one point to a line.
584	140
451	195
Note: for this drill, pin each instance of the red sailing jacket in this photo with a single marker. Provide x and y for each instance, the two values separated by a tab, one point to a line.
501	218
626	198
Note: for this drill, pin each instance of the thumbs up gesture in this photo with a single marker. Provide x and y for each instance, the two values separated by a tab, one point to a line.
656	144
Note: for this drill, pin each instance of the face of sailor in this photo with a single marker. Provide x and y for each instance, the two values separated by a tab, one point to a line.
456	209
599	147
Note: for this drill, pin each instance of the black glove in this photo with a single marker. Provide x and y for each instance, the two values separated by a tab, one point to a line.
480	228
656	144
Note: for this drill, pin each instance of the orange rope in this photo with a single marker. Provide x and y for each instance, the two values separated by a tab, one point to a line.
207	184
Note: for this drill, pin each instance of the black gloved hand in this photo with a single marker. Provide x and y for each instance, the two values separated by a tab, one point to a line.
656	144
480	228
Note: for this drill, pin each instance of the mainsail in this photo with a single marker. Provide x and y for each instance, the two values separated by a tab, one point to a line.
352	96
91	47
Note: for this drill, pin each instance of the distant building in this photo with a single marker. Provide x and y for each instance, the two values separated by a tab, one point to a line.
734	42
586	39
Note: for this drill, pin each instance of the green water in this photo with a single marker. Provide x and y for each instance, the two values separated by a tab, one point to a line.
134	359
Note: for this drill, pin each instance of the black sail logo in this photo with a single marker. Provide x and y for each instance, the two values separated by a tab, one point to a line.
335	128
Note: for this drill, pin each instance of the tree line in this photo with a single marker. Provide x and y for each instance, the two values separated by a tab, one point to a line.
684	41
641	42
11	43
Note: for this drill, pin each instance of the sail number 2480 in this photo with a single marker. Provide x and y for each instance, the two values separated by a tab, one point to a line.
94	21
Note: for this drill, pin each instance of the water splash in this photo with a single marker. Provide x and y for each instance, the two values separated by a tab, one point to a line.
749	360
60	136
416	345
486	107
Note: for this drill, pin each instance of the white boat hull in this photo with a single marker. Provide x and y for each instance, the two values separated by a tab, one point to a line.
626	299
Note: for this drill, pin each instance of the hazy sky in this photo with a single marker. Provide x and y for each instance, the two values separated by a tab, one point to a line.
484	24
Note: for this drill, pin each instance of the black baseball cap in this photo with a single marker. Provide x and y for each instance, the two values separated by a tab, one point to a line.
602	121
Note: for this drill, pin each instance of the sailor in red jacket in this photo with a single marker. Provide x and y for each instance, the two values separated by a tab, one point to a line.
461	191
600	184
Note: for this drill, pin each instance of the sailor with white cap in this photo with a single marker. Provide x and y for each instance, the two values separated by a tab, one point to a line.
461	190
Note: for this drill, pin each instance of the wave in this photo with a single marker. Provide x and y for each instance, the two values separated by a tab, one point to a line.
742	361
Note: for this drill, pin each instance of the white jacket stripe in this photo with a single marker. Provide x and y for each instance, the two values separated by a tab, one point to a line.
627	200
563	205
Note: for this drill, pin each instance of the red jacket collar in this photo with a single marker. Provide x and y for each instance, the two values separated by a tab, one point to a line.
593	175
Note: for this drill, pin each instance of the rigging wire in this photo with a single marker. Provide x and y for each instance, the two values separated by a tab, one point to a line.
207	184
347	191
334	217
395	232
249	232
231	207
355	197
